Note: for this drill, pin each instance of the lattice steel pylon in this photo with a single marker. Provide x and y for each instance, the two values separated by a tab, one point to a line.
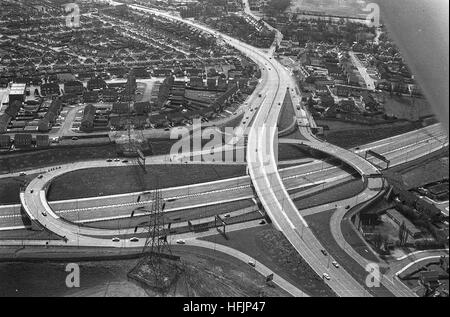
157	267
156	241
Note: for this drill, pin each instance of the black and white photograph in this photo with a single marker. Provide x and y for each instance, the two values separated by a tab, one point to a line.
224	153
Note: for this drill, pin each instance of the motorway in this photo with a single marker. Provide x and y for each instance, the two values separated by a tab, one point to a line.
397	149
263	171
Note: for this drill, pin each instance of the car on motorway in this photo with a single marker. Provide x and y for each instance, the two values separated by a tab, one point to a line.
326	276
109	160
44	213
335	264
40	176
251	263
134	239
181	241
22	174
125	161
115	239
116	160
74	138
324	252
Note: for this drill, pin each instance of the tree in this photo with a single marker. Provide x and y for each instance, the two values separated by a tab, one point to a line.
403	234
279	6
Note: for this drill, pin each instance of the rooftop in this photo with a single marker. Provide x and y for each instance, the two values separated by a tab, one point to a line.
17	89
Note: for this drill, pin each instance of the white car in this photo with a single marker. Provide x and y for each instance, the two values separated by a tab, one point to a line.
251	263
335	264
22	174
326	276
181	241
115	239
134	239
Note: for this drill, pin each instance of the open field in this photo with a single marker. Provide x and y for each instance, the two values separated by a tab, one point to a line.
320	225
25	234
10	188
355	137
428	169
287	114
329	195
118	180
209	273
268	246
58	155
290	152
405	107
332	7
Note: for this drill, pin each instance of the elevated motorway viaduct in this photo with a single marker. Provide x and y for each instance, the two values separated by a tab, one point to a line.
263	172
297	179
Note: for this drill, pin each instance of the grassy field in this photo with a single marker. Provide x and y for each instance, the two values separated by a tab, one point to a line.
287	114
332	7
428	169
405	107
206	273
320	225
118	180
290	152
17	162
271	248
339	192
10	188
355	137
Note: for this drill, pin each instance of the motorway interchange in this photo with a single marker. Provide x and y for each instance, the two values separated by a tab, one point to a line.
274	186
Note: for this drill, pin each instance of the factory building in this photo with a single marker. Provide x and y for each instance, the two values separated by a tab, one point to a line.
17	92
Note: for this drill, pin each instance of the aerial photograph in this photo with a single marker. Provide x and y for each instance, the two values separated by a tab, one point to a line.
224	149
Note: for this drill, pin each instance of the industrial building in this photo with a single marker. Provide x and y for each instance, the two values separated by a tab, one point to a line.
87	123
23	140
17	92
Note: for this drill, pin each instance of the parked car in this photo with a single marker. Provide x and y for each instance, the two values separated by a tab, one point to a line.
324	252
335	264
